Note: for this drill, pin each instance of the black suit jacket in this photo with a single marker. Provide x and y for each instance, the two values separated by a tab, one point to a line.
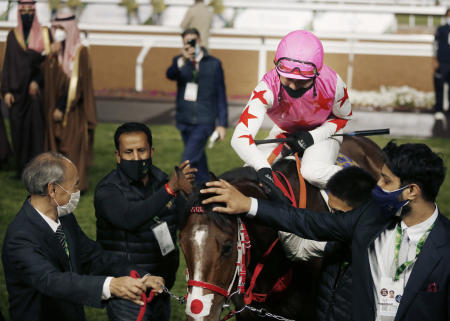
41	283
426	296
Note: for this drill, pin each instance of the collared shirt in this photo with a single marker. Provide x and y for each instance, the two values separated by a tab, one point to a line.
106	293
382	251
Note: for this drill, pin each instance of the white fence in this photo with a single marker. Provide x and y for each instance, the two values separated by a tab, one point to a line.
147	37
411	8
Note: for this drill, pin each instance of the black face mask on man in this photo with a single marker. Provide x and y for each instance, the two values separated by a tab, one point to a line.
27	22
135	169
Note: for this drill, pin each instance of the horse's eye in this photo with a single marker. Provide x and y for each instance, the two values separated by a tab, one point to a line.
226	248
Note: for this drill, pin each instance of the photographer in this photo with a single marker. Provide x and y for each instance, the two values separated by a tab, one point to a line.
201	104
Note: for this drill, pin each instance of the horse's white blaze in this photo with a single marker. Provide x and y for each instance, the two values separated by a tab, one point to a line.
202	303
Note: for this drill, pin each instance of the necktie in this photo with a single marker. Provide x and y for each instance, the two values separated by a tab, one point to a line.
62	238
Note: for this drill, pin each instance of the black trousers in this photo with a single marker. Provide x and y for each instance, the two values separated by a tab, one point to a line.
441	76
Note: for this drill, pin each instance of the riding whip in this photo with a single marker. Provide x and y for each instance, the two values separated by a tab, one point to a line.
369	132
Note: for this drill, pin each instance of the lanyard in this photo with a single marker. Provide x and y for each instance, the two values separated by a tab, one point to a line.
398	240
195	75
196	68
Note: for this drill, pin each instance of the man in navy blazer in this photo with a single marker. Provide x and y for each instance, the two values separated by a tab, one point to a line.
400	242
51	267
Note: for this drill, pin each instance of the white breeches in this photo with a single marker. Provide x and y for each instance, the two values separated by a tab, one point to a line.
318	161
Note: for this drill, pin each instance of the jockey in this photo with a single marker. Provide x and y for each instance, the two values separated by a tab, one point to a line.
306	101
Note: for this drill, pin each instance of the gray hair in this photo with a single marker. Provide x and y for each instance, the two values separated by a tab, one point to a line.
44	169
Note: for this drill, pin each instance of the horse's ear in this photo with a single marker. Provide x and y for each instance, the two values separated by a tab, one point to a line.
213	176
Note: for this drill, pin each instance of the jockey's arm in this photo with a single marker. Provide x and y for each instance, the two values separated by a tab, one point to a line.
340	115
300	249
248	126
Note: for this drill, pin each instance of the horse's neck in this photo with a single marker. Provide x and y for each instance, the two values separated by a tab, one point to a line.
275	264
365	153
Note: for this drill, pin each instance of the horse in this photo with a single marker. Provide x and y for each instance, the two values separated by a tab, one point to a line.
238	259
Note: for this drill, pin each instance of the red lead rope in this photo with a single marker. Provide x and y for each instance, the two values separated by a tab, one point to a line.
135	275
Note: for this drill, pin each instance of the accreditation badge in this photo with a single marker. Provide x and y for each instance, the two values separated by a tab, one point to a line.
190	93
162	235
389	294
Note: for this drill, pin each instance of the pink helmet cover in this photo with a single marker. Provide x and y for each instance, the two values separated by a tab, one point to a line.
300	45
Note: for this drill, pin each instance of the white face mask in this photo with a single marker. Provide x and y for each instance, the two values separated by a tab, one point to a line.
71	204
60	35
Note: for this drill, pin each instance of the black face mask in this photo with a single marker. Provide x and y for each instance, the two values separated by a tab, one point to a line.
27	21
296	93
135	169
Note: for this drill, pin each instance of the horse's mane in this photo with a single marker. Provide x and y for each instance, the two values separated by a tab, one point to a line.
241	176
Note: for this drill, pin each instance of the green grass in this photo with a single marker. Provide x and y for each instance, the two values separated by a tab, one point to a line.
168	149
420	20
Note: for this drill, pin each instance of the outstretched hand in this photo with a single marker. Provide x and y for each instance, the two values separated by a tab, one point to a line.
182	178
235	201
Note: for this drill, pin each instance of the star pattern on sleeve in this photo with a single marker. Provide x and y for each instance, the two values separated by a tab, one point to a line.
250	139
321	103
259	95
343	99
246	116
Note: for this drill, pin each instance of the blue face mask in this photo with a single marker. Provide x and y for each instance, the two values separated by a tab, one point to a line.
389	201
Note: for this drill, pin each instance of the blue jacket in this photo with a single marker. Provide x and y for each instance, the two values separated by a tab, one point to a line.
442	40
211	104
361	227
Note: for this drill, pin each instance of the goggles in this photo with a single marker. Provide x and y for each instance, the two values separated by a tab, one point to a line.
305	69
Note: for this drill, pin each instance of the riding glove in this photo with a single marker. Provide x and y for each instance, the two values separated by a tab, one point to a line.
299	141
265	176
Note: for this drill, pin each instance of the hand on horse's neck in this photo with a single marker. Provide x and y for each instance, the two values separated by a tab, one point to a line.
420	212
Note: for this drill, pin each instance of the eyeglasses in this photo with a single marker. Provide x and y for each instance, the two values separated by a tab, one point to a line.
296	67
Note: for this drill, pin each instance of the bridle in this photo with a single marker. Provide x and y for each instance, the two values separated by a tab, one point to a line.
240	272
243	248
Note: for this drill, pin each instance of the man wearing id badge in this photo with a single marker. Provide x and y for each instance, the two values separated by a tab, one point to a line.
201	103
138	208
400	242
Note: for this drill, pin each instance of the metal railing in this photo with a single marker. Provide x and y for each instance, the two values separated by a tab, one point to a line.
411	8
148	37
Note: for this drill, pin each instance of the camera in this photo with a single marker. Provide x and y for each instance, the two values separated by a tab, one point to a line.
192	42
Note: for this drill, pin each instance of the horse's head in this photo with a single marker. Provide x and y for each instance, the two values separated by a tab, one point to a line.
209	242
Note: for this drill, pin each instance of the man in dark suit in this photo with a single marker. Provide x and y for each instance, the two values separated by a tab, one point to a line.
400	241
51	267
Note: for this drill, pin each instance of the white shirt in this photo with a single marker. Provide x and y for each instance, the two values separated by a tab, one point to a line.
106	293
382	251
